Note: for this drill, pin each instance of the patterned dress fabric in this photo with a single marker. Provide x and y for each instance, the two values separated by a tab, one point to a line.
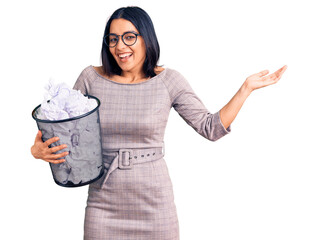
138	203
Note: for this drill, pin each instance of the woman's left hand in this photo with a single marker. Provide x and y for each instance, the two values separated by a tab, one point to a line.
259	80
255	81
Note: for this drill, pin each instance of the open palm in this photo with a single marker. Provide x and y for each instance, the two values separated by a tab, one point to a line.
259	80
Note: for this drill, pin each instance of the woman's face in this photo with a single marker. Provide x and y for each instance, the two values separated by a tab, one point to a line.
128	58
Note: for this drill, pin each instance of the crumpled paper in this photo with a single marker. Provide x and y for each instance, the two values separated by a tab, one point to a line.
64	102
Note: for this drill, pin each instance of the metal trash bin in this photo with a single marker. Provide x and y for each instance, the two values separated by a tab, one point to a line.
83	165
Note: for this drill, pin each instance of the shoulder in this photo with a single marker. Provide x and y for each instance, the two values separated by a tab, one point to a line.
85	72
90	73
100	71
175	83
173	77
87	76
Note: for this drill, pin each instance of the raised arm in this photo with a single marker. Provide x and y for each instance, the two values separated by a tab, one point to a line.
191	108
253	82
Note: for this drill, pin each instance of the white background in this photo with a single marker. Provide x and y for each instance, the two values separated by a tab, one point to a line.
258	182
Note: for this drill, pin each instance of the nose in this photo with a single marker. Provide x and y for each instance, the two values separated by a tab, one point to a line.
120	44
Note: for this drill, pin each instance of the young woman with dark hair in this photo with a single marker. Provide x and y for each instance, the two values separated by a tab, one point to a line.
134	198
141	20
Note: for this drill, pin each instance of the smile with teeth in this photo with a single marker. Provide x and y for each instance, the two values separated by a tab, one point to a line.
124	55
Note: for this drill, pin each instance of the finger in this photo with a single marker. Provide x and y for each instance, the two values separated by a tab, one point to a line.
58	148
55	161
56	156
262	73
38	137
270	79
51	140
283	69
280	72
273	78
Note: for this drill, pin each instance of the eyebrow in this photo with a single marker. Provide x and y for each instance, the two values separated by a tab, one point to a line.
124	32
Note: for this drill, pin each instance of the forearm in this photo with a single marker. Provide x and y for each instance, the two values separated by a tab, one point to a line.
229	112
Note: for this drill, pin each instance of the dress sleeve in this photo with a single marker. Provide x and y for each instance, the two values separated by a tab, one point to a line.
192	110
82	83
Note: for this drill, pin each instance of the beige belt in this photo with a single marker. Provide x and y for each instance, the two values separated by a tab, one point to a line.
126	158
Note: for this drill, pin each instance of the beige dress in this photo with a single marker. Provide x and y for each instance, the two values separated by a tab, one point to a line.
137	203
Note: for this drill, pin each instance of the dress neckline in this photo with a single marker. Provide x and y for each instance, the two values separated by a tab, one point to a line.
99	75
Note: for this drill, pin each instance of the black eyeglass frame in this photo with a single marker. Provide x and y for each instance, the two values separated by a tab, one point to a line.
122	38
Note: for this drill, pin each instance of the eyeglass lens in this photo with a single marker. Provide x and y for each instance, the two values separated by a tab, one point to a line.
128	38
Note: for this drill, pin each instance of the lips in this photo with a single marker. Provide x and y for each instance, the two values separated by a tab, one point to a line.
124	56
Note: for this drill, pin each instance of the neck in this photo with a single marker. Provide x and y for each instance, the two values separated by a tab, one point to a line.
133	76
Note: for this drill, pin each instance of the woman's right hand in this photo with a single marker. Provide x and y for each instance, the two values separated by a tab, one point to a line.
41	150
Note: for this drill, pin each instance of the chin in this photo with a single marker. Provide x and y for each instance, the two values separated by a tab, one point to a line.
125	68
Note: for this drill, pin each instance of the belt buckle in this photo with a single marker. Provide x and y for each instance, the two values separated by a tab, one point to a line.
122	161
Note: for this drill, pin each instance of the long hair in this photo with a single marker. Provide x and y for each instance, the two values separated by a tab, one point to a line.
141	20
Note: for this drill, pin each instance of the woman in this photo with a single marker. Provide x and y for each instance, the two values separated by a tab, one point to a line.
134	199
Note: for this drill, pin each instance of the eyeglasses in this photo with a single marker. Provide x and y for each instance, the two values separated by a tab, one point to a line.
128	38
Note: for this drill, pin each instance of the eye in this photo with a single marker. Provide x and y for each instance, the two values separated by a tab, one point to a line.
113	39
130	37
